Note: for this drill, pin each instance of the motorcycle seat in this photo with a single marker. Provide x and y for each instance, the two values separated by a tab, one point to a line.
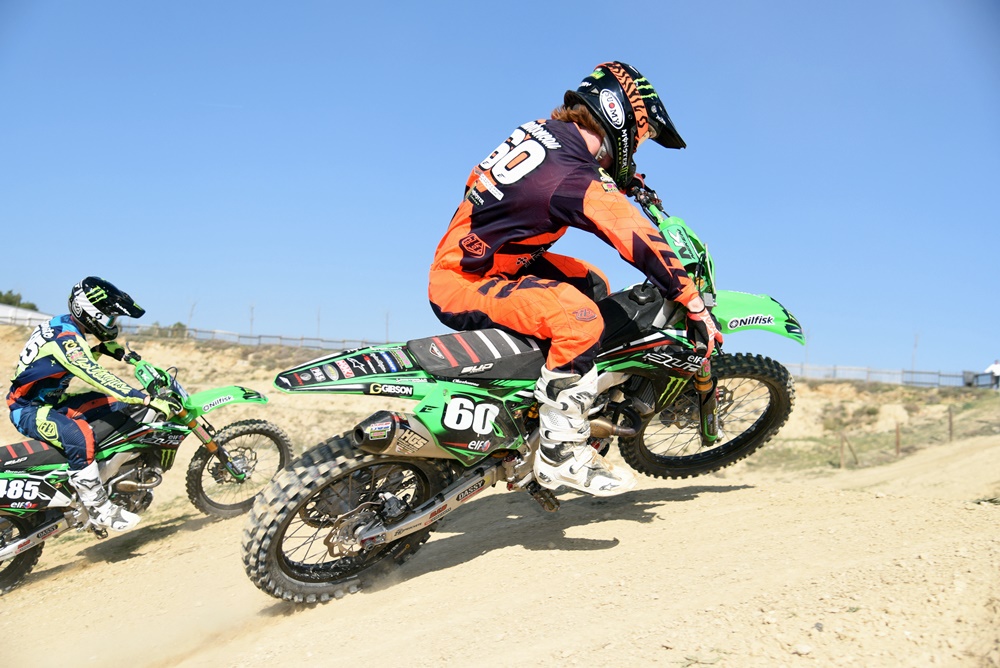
496	354
482	354
28	455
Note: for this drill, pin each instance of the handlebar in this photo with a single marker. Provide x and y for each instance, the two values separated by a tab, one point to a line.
688	248
156	381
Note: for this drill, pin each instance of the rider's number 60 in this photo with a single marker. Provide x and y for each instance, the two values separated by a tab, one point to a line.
462	414
514	158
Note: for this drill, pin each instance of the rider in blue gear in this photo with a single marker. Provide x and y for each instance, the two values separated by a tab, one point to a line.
55	353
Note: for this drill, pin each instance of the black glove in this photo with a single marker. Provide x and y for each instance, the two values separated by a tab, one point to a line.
703	331
644	195
111	349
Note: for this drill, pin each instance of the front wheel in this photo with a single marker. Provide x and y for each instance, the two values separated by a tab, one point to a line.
258	447
13	530
300	539
755	398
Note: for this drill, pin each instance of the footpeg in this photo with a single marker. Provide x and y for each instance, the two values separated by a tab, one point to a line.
546	499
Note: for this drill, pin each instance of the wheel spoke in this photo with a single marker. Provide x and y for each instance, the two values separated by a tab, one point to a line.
254	446
320	537
754	398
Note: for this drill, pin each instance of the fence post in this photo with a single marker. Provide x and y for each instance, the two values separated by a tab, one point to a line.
851	448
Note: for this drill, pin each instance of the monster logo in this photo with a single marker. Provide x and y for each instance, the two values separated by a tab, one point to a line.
96	295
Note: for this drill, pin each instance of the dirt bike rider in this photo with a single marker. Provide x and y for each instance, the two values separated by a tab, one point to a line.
57	352
493	267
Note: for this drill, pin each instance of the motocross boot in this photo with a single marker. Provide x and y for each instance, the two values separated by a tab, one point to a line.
103	513
564	455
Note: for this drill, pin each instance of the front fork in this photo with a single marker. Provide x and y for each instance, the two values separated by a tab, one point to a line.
220	453
708	404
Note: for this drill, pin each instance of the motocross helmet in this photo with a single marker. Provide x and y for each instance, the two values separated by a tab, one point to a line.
629	110
96	305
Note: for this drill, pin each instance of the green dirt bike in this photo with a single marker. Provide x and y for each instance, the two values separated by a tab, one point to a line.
135	447
355	506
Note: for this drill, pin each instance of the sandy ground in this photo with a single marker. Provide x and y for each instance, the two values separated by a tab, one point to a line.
891	565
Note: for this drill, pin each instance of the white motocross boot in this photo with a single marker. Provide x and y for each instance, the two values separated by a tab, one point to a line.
87	483
564	456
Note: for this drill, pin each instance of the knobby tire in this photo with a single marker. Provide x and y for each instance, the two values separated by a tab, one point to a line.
216	492
295	520
756	397
14	571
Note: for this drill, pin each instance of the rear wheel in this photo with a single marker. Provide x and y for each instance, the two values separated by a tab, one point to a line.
299	543
259	447
13	571
755	398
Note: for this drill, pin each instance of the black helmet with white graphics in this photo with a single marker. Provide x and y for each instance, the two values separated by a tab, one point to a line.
97	304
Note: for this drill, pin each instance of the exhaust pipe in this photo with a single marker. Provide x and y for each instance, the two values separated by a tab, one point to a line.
130	486
392	433
603	428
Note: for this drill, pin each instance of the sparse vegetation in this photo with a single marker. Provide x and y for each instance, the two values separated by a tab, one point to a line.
12	298
871	417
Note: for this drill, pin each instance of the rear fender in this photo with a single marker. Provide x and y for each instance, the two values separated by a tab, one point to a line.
387	371
739	311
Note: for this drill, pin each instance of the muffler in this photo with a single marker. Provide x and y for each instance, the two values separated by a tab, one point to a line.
392	433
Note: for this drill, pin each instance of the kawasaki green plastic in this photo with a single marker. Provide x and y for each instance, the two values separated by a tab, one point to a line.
735	311
200	403
740	311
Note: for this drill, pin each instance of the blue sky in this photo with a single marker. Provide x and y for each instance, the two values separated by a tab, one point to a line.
300	161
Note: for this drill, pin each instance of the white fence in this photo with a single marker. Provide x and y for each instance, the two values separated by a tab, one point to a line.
180	332
810	371
894	377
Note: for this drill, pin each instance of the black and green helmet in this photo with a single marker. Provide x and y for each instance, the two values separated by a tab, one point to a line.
96	304
630	112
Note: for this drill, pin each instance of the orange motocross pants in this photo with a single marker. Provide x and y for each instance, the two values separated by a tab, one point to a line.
553	300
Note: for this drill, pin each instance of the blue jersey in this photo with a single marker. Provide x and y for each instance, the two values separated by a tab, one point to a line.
57	352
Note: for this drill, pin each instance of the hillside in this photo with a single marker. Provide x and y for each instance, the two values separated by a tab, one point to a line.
783	560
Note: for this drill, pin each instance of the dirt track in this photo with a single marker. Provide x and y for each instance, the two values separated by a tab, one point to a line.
895	565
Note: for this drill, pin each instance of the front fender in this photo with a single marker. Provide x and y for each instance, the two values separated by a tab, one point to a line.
738	311
200	403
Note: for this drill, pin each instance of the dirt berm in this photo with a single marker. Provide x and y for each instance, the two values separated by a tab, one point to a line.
788	559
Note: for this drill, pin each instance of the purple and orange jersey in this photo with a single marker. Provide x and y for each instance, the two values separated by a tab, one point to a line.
523	197
493	268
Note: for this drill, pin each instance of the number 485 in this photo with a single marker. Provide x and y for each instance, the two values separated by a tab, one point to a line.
19	489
